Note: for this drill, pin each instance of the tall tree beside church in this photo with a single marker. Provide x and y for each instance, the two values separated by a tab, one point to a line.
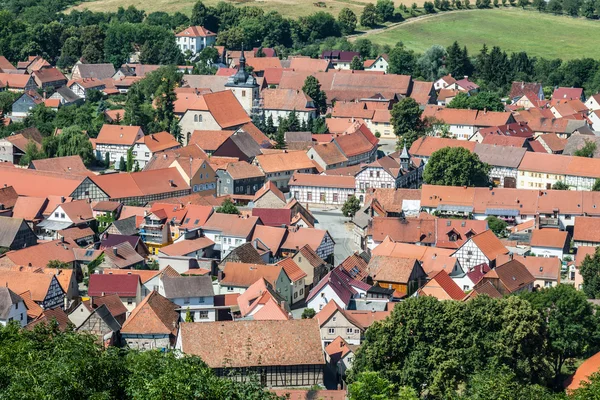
165	103
312	88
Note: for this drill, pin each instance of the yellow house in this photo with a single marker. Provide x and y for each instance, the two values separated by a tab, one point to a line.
198	173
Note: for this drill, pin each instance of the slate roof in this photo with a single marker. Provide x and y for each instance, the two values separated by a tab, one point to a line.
8	299
126	226
111	301
254	343
188	286
9	228
126	256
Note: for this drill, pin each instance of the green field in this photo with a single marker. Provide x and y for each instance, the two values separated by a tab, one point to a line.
512	29
289	8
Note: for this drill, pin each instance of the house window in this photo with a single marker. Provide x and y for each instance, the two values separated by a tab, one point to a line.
129	301
370	174
62	215
322	197
295	295
200	299
335	197
186	300
195	118
309	196
55	215
331	331
243	93
146	154
296	194
202	314
349	331
378	174
229	289
301	292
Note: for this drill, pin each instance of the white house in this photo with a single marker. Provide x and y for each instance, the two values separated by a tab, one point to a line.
594	117
195	39
334	323
229	231
116	140
279	103
336	286
322	189
549	242
379	64
482	248
193	294
593	102
82	87
12	307
146	146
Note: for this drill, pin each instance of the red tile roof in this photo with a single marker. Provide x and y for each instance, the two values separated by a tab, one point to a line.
123	285
118	134
226	109
442	287
195	31
292	269
489	244
548	238
159	141
322	181
585	370
154	315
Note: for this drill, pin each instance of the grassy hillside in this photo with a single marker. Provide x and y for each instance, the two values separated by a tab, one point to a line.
512	29
289	8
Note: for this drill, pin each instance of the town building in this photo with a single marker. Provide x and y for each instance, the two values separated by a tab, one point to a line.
116	140
146	146
195	39
321	189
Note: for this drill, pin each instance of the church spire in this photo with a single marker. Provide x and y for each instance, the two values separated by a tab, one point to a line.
404	158
242	66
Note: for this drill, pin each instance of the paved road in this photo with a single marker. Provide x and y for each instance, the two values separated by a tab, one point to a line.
339	229
387	146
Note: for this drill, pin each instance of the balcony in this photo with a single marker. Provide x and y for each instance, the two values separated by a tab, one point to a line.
549	222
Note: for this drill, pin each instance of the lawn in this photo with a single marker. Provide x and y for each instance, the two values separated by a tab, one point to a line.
512	29
289	8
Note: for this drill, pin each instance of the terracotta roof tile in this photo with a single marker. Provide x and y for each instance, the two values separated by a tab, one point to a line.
355	266
407	230
268	343
42	253
244	275
548	238
195	31
111	301
292	269
210	140
226	109
159	141
489	244
442	287
322	181
287	161
118	134
154	315
184	247
513	275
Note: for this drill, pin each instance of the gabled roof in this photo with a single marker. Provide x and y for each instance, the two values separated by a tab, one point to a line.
486	288
355	266
35	283
185	247
587	229
225	109
406	230
209	140
442	287
118	134
322	181
143	183
56	314
265	343
65	165
539	267
271	236
8	197
513	275
159	141
188	286
392	269
269	186
341	283
425	146
286	100
357	142
489	244
9	228
583	373
122	285
154	315
311	256
330	153
553	238
259	293
297	238
478	272
98	71
8	299
49	75
231	224
123	255
195	31
243	170
244	275
42	253
111	301
292	269
284	161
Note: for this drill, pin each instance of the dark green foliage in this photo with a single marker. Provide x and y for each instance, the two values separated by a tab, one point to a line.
385	10
429	7
457	61
369	16
572	325
481	101
72	365
227	207
71	142
312	88
347	20
438	345
351	206
308	313
590	272
560	185
588	149
401	60
32	152
356	64
456	166
406	120
496	225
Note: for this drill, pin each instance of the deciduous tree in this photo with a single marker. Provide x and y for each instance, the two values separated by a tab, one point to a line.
456	166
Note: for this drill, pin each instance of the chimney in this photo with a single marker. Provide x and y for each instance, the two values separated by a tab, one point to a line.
171	183
220	276
62	199
114	249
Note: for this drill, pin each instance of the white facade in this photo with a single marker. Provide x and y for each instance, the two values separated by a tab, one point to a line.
537	180
321	195
223	242
595	120
339	325
116	151
470	255
17	312
141	154
373	177
464	282
323	297
201	308
303	116
543	251
195	44
380	64
282	178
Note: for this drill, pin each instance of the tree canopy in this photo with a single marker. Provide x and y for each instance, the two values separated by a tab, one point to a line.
456	166
227	207
406	120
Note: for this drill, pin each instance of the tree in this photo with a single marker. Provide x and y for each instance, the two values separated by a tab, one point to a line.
596	187
370	386
312	88
107	160
385	10
188	316
431	64
32	152
429	7
588	149
71	142
560	185
401	61
308	313
590	272
122	165
589	389
456	167
483	101
496	225
573	327
227	207
406	118
165	103
356	64
57	264
347	21
351	206
369	16
130	160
